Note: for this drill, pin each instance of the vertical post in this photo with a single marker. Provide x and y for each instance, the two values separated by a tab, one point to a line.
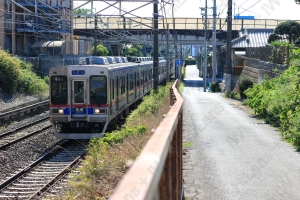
228	54
167	54
124	27
13	28
205	50
36	20
155	43
214	55
95	45
176	55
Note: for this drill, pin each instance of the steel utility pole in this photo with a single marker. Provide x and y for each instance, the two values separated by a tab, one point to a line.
155	43
214	56
228	55
205	49
95	45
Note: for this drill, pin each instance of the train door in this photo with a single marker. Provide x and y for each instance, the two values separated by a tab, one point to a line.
135	86
118	93
79	101
127	87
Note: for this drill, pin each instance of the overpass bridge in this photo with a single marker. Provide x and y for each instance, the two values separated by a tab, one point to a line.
116	30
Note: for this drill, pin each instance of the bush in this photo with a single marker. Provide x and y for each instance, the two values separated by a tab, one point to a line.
244	84
215	87
17	75
277	101
190	62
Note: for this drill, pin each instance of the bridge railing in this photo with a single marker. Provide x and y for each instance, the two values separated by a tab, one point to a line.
134	23
157	171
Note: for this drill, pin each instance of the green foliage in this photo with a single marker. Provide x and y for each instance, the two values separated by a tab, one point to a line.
215	87
46	79
277	101
190	62
230	95
82	11
135	50
17	75
188	144
101	50
273	37
289	29
243	84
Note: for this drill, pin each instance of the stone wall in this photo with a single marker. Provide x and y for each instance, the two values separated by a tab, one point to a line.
256	70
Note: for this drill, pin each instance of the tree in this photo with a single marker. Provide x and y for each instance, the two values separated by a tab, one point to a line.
288	30
135	50
82	11
101	50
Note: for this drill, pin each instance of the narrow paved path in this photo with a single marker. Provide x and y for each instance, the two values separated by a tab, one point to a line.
232	155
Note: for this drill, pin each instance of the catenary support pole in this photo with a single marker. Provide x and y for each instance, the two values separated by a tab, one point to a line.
155	43
214	55
228	55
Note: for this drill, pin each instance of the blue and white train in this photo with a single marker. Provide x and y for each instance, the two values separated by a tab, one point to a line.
85	98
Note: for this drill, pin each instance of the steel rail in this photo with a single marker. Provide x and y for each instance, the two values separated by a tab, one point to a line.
24	137
21	127
19	111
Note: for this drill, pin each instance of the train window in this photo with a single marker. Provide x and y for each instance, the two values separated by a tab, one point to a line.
122	85
131	81
98	90
112	89
78	92
59	90
137	80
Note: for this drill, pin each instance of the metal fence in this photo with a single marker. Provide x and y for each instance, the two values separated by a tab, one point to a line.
157	171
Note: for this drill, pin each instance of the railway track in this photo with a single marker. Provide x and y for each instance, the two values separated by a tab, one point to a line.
32	181
11	113
16	135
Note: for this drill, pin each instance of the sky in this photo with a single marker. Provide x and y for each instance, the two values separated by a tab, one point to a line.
260	9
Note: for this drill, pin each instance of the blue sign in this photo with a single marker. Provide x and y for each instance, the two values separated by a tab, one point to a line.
179	62
78	72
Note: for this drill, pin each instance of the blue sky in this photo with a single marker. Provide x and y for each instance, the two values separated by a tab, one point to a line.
260	9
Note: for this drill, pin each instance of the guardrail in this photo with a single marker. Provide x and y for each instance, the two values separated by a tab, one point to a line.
157	171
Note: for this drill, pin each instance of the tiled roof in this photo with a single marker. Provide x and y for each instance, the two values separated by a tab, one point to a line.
252	38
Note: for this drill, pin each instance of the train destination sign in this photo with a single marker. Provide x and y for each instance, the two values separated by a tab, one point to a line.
78	72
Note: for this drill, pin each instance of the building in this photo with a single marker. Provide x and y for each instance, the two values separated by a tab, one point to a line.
28	24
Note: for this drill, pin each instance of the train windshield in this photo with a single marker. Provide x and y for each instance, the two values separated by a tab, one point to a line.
59	91
98	90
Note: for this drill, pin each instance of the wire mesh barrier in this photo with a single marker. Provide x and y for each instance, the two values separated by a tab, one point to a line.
157	171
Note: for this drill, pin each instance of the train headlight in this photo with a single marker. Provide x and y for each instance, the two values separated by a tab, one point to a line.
61	111
96	111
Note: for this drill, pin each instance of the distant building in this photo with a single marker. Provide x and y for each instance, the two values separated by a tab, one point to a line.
26	24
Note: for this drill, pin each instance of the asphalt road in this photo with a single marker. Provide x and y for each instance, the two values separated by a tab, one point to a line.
232	155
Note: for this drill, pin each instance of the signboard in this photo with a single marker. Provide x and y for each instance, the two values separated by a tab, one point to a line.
78	72
179	62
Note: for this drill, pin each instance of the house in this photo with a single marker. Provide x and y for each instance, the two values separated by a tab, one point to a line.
248	38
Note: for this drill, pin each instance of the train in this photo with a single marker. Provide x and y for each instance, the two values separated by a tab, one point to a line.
86	98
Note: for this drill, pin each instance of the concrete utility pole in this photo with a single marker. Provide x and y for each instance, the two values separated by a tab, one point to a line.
205	49
95	45
214	55
228	55
167	54
155	43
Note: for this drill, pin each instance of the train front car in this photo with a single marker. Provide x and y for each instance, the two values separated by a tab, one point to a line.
78	101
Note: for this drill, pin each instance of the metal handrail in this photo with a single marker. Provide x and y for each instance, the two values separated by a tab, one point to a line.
157	171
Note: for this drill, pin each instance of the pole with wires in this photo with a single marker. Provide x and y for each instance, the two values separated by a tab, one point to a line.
228	54
214	56
155	44
95	45
205	49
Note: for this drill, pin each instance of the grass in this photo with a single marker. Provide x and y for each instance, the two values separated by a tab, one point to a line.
188	144
108	158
